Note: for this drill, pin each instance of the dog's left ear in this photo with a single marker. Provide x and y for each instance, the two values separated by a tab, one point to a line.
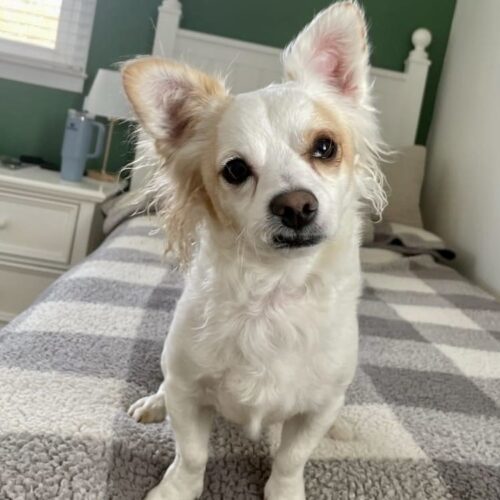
169	97
332	49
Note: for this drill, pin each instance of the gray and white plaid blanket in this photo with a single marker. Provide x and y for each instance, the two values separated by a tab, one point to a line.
423	409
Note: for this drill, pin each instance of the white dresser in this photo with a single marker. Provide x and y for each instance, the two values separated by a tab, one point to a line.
46	226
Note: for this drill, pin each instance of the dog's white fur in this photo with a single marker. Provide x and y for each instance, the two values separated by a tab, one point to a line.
260	334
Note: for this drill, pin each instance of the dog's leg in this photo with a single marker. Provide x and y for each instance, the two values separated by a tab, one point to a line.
342	430
191	424
300	435
150	408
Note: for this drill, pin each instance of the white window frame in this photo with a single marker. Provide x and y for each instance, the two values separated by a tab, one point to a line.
24	63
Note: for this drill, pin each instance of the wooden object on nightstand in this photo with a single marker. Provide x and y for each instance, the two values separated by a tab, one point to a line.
46	226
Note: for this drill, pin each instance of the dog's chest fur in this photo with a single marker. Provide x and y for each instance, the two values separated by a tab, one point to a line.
267	346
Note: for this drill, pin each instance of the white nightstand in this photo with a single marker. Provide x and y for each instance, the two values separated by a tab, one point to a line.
46	226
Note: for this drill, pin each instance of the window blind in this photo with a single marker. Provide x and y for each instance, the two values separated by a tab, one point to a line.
53	32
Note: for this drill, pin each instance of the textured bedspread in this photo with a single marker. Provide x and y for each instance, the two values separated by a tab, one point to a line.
424	407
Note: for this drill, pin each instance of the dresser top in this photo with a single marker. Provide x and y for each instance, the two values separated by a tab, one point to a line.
40	180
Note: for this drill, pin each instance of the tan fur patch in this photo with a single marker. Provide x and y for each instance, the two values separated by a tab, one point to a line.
210	170
196	176
327	124
179	107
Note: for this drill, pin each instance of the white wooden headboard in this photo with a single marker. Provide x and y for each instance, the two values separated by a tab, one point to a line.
398	95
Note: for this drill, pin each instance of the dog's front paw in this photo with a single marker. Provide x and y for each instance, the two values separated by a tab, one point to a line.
149	409
279	488
168	490
342	430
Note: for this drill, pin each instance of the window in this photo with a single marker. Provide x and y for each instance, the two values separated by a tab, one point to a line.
46	42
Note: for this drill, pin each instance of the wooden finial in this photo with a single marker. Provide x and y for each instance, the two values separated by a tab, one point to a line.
421	39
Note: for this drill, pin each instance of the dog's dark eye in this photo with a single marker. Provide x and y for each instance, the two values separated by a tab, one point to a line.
324	148
236	171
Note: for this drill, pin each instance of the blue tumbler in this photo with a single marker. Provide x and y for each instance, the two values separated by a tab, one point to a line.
76	145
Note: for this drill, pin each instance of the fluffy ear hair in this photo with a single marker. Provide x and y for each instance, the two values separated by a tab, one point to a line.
170	99
332	49
168	96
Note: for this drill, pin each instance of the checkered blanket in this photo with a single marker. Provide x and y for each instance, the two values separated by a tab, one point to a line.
423	409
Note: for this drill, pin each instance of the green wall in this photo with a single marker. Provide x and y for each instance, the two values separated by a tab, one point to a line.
32	117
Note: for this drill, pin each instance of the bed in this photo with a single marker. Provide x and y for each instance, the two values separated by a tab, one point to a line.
422	417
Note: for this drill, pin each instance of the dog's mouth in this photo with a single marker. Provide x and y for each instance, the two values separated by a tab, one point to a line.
296	241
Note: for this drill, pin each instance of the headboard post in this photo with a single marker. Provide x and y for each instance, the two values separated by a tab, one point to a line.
169	16
416	67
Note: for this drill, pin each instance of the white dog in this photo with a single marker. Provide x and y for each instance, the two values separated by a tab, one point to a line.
260	195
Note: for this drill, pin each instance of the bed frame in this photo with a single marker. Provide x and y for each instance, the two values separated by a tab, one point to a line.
398	95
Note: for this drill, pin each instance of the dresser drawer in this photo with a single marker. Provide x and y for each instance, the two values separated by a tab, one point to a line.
36	228
20	286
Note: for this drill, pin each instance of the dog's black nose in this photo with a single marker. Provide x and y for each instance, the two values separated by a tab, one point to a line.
296	209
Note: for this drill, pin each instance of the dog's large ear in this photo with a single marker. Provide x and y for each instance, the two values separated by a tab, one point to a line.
169	100
168	97
332	49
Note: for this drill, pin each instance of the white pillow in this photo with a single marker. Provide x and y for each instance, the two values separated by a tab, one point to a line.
405	173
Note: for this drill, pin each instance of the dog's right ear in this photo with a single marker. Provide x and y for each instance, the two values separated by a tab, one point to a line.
168	97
